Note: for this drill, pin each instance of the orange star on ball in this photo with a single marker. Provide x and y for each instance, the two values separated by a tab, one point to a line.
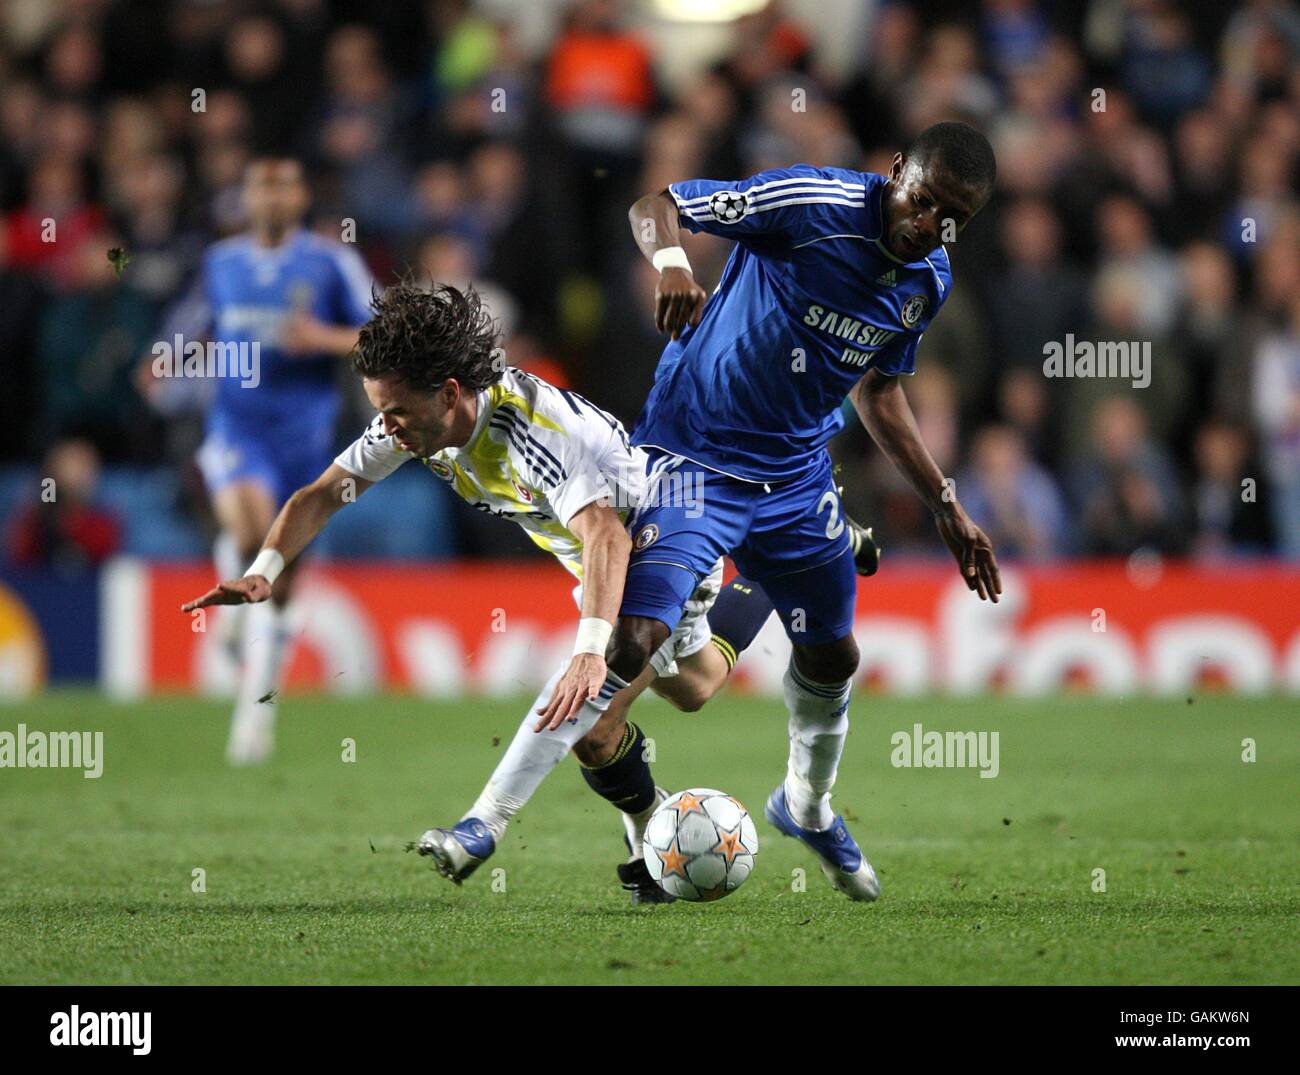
673	861
729	844
688	803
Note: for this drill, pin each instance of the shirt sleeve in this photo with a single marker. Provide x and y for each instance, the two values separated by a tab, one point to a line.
374	455
898	356
355	287
779	204
584	486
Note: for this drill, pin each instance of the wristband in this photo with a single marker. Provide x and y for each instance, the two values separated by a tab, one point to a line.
593	636
670	257
268	564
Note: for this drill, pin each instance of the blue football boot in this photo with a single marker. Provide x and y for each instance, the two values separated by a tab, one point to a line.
841	859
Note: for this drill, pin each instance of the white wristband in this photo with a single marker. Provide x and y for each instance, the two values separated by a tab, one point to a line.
593	636
268	564
670	257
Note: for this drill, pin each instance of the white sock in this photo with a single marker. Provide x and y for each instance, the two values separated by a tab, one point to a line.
532	755
225	554
635	824
229	565
818	724
266	633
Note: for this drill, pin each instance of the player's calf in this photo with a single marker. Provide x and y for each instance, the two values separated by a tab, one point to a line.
817	687
599	745
829	663
619	772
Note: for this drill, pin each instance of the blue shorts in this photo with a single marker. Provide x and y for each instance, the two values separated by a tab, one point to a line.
789	537
278	456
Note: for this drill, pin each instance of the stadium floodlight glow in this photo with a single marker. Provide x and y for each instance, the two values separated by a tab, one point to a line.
705	10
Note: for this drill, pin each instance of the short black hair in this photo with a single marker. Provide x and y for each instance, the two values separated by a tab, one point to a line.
960	150
423	336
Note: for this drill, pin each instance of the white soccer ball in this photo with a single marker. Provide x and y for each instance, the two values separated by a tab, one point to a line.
700	844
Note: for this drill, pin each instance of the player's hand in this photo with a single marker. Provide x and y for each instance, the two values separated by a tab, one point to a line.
973	552
679	301
580	683
246	591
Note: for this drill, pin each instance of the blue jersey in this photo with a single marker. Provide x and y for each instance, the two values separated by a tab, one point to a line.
246	293
809	301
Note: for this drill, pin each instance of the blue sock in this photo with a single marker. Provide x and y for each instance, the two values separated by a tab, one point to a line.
625	779
737	616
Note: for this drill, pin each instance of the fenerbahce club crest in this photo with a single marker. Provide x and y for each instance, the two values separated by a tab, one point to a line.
441	469
646	537
914	310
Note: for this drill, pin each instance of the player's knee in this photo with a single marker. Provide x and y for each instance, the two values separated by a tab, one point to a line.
700	677
833	663
691	698
635	638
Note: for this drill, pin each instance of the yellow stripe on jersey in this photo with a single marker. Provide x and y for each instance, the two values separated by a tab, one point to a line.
499	395
490	473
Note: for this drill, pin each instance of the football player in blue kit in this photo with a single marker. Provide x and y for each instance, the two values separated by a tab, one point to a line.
834	277
295	301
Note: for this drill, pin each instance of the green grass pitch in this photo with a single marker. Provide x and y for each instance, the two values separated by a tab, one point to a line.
984	880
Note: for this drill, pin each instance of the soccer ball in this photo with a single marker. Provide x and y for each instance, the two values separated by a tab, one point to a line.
700	844
728	206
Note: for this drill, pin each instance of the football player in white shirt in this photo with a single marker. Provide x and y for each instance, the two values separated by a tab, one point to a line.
562	468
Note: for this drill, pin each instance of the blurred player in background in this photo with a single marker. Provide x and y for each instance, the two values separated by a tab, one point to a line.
300	299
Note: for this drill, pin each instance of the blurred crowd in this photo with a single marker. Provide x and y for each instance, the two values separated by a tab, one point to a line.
1147	191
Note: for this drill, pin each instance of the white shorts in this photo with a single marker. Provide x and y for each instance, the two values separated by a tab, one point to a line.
692	633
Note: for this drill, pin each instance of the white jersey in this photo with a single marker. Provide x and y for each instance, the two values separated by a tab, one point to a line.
538	455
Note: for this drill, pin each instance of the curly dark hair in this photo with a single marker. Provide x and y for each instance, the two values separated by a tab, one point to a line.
423	336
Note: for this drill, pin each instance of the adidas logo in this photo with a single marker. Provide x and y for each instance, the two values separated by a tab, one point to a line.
887	279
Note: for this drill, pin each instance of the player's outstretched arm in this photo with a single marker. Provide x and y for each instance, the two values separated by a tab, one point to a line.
679	300
887	416
606	547
303	516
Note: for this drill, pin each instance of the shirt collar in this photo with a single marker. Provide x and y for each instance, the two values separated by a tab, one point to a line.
281	249
483	402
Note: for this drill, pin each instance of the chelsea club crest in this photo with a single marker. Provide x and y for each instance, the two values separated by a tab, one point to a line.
914	310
